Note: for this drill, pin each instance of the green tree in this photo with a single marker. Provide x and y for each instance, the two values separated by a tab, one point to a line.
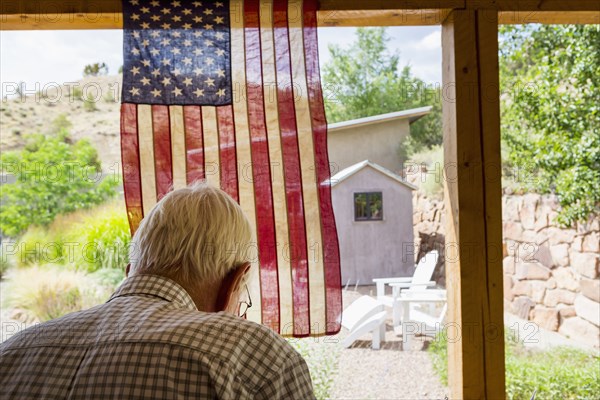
95	69
365	79
54	175
550	80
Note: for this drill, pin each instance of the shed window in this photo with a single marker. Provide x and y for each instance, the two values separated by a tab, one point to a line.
368	206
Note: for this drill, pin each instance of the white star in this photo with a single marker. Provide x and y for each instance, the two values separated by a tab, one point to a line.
135	34
199	92
146	63
220	35
197	4
176	18
165	41
145	81
187	11
187	42
208	42
176	91
155	3
187	81
154	52
145	42
208	26
134	17
156	92
198	34
166	11
155	72
176	3
198	52
134	91
219	20
176	34
145	25
186	26
210	61
221	92
198	19
155	18
220	52
166	61
135	51
166	81
154	34
210	82
187	61
221	72
219	4
134	2
166	26
135	70
208	11
175	50
176	72
145	10
198	71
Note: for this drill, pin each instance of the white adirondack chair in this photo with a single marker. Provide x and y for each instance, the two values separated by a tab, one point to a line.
419	322
420	280
364	315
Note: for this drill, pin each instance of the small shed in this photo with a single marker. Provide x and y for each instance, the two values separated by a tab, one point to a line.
374	218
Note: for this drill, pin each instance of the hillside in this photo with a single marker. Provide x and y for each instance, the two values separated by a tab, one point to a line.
35	113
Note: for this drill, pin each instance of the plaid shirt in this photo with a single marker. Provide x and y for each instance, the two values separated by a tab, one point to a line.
149	341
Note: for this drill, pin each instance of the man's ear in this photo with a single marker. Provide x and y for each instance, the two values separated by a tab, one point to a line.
228	297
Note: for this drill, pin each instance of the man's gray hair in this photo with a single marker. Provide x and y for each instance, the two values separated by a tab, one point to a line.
195	233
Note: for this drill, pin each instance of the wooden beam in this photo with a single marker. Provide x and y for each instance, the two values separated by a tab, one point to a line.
471	126
500	5
381	17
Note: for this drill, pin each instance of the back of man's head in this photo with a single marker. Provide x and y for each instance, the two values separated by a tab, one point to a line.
198	234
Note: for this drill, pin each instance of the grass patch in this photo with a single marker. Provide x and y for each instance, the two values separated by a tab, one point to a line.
557	373
322	360
43	293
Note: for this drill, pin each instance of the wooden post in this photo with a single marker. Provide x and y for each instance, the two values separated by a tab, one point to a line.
471	125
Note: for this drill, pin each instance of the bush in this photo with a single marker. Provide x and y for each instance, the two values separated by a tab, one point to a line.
54	175
433	160
44	293
89	239
5	262
557	373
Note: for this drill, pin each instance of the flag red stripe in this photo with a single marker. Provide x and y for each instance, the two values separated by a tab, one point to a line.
130	160
331	254
194	143
162	150
261	173
293	175
229	178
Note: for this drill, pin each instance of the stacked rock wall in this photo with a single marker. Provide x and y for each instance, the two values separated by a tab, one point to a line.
551	274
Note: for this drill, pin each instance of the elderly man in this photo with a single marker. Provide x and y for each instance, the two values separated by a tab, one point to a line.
172	330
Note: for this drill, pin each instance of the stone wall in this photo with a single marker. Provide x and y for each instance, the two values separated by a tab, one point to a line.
551	274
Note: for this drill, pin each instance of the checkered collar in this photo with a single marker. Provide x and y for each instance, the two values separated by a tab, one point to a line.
155	286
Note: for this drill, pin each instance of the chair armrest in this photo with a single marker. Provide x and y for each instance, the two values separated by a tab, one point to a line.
405	285
392	280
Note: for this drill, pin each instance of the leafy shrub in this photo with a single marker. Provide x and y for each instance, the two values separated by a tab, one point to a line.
103	236
5	262
95	69
54	175
557	373
44	293
89	239
433	160
89	103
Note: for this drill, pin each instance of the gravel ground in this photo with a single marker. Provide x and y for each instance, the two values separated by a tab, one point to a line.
393	372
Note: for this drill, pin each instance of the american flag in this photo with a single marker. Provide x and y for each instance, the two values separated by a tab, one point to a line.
229	92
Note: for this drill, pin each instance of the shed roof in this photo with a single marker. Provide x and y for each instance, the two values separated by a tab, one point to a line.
412	115
353	169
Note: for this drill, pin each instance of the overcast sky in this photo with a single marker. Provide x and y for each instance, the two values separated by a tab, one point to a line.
59	56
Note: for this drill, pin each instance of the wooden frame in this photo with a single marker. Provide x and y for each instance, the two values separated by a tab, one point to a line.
471	126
